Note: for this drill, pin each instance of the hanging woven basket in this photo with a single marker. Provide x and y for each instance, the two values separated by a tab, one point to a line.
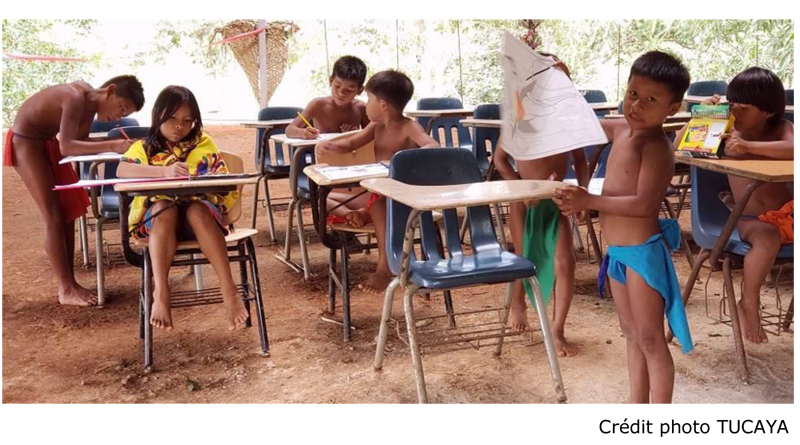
245	51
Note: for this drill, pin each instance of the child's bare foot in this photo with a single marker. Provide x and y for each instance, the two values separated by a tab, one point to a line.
161	315
357	218
563	347
77	296
236	313
750	323
519	316
376	283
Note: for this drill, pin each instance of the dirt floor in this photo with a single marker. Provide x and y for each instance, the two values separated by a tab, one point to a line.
57	354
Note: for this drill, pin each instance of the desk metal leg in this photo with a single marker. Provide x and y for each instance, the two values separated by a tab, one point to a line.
744	372
198	274
83	232
99	260
255	206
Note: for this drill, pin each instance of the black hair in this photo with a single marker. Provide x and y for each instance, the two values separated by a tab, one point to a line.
761	88
663	68
167	103
393	87
128	87
350	68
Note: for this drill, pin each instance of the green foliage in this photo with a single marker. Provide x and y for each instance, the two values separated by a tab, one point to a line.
23	78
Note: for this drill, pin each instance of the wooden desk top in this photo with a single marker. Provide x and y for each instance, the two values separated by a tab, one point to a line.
316	173
100	157
598	106
767	171
465	195
99	134
440	113
682	116
171	185
790	108
267	124
484	123
698	99
300	143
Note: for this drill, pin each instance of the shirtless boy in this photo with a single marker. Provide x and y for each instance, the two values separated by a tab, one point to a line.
388	93
32	149
638	261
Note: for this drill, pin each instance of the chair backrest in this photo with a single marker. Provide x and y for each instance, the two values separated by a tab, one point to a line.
445	123
790	97
268	114
595	96
109	199
485	135
436	166
707	88
235	165
709	213
100	127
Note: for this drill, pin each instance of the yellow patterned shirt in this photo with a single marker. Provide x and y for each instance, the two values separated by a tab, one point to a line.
202	157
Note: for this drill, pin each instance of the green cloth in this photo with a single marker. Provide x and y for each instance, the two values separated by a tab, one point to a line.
539	245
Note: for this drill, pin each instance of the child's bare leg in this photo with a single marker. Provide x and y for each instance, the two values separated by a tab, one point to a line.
346	206
34	168
378	281
564	288
162	243
519	316
637	366
647	308
212	243
766	242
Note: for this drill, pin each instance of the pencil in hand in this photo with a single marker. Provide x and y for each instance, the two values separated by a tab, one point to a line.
310	132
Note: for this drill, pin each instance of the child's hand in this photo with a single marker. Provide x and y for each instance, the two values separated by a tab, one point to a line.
735	145
713	100
349	127
325	147
310	133
122	145
176	169
571	200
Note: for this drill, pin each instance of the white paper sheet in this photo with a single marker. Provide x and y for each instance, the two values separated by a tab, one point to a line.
543	113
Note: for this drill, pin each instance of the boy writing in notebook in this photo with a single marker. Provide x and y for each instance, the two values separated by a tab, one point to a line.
388	93
32	149
758	102
341	111
555	259
638	260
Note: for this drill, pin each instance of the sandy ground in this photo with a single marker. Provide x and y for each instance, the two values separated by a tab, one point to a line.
58	354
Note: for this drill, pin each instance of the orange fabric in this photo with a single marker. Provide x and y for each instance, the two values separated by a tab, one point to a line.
373	198
783	219
73	201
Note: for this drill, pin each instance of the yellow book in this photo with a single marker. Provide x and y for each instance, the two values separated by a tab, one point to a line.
703	137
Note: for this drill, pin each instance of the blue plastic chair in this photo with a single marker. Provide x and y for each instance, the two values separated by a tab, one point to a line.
445	123
595	96
270	168
487	264
709	215
790	101
484	135
103	127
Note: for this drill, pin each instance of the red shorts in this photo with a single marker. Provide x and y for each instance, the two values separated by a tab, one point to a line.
73	201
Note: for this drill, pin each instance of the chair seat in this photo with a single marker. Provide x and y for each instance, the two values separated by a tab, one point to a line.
109	213
484	267
366	228
276	171
234	236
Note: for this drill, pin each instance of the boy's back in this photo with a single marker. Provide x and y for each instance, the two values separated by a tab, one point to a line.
391	137
40	115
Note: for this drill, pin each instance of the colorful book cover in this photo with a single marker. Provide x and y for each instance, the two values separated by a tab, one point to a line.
703	137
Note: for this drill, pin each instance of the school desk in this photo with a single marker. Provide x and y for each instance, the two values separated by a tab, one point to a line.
298	149
320	186
758	172
435	114
699	99
681	116
604	106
